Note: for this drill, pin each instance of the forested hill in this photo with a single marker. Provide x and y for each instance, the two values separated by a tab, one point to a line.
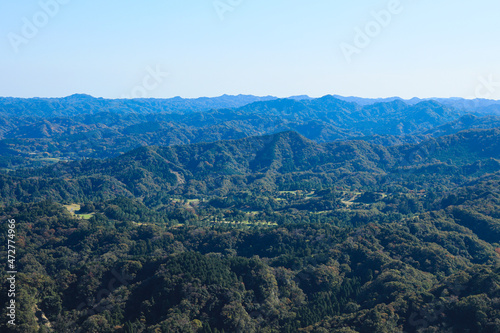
272	233
38	132
280	161
79	104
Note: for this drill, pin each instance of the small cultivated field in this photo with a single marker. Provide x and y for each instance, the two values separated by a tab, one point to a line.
72	208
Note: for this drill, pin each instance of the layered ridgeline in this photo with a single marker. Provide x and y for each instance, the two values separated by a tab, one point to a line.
79	104
36	132
392	227
278	162
271	233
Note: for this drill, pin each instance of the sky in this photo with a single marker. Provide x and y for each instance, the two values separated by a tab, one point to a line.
195	48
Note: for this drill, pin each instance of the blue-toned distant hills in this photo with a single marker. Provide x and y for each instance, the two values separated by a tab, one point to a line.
86	104
38	131
245	214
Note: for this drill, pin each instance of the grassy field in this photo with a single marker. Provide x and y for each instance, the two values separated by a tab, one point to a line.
247	223
84	216
74	208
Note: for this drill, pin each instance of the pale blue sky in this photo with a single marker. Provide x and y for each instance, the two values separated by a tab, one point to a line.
438	48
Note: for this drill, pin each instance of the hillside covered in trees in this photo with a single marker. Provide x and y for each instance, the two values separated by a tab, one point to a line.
38	132
391	226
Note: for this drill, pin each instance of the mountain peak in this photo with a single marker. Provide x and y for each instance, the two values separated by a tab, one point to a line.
79	96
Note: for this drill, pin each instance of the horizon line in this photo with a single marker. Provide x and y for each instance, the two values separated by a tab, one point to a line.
304	96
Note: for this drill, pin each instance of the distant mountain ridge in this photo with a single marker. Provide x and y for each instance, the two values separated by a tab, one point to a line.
85	104
487	106
37	132
78	104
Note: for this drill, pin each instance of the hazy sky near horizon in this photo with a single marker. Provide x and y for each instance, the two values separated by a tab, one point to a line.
167	48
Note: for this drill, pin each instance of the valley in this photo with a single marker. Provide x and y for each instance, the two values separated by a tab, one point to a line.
311	218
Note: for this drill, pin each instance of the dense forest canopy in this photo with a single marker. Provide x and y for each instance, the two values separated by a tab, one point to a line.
269	215
37	132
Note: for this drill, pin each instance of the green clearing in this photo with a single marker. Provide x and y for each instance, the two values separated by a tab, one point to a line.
73	208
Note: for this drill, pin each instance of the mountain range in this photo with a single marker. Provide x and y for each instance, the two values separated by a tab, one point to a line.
264	163
35	132
86	104
243	214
